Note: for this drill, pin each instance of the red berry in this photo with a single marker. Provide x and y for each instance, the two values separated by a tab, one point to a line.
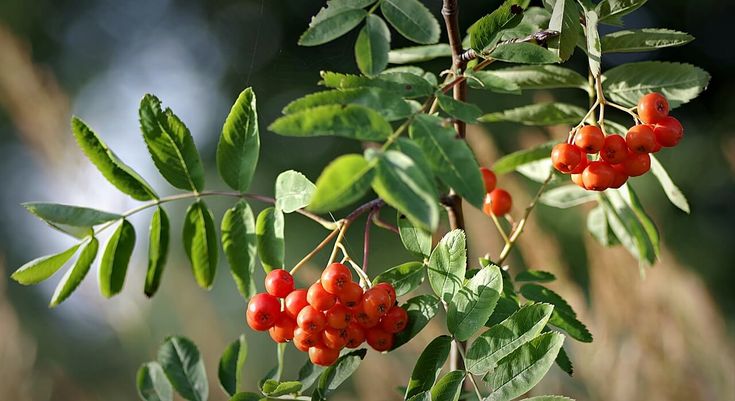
389	289
668	132
376	302
598	176
590	139
636	164
338	316
379	339
263	311
351	295
497	202
355	335
577	179
334	338
335	277
653	107
294	302
582	165
311	320
640	139
323	356
566	157
304	340
615	150
319	298
279	283
619	179
364	319
283	330
395	320
489	178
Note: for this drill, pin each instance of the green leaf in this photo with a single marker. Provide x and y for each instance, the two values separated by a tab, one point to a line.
414	239
112	168
612	10
309	373
239	143
627	227
599	228
404	84
412	20
522	369
349	121
474	303
171	145
73	220
239	243
538	114
152	383
486	31
462	111
548	398
157	250
679	82
200	243
293	191
183	365
594	48
115	259
405	187
505	337
421	309
372	46
563	362
514	160
76	273
273	388
670	189
641	40
42	268
417	54
447	264
247	397
428	366
423	396
409	148
343	182
388	104
332	21
231	364
336	374
648	225
567	196
451	159
269	236
524	53
404	278
491	81
538	276
563	316
449	387
565	19
541	77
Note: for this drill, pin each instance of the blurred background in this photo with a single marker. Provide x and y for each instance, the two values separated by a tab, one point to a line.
668	336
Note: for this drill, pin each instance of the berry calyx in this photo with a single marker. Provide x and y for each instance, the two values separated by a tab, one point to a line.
566	157
319	298
351	295
311	320
668	132
489	178
294	302
614	150
590	139
652	108
355	335
636	164
323	356
283	330
364	319
497	202
335	277
263	311
640	139
376	302
395	320
598	176
338	316
379	339
279	283
304	340
334	338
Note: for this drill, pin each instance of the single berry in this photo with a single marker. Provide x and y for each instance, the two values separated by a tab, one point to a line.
379	339
351	296
294	302
335	277
263	311
311	320
577	179
279	283
566	157
390	290
640	139
323	356
376	302
619	179
395	320
582	165
283	330
497	202
636	164
653	107
355	335
319	298
668	132
656	147
334	338
598	176
489	178
364	319
590	139
304	340
338	316
615	150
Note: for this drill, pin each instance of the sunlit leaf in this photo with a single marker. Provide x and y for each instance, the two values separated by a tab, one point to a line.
565	19
269	236
524	53
388	104
640	40
293	191
76	273
404	278
539	114
447	264
670	189
486	31
42	268
470	308
336	374
416	54
349	121
344	181
332	21
183	365
541	77
152	383
567	196
239	143
413	238
449	387
428	366
421	309
115	259
594	48
74	220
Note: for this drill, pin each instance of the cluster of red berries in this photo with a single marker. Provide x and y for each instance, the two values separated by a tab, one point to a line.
619	158
497	201
332	314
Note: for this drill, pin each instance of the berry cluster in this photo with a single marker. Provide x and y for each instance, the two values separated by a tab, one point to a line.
619	158
497	201
332	314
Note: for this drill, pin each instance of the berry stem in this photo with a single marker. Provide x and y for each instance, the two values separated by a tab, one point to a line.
316	250
500	228
469	375
384	224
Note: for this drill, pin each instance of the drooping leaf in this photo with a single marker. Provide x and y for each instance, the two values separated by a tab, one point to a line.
670	189
269	236
491	81
183	365
462	111
505	337
42	268
274	388
76	273
521	370
349	121
115	259
417	54
372	46
414	239
428	366
563	362
231	364
449	387
524	53
73	220
641	40
157	250
594	48
388	104
539	114
421	309
565	19
309	373
200	243
649	226
239	243
447	264
538	276
112	168
152	383
171	145
563	316
486	31
344	181
405	277
293	191
332	21
336	374
680	83
239	143
470	308
610	11
541	77
512	161
599	228
412	20
627	227
567	196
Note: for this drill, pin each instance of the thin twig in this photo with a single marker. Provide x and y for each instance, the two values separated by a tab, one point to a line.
316	250
384	224
468	374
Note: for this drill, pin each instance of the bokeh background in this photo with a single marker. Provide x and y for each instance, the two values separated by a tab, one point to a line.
668	336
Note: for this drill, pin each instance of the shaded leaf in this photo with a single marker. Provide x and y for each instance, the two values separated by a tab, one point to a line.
309	373
428	366
239	243
372	46
270	241
640	40
332	21
182	363
449	387
512	161
421	309
231	364
524	53
598	227
670	189
414	239
612	10
336	374
404	84
541	77
594	48
157	250
563	315
462	111
564	363
293	191
42	268
343	182
470	308
388	104
486	31
349	121
412	20
491	81
567	196
539	114
627	227
239	143
76	273
649	226
447	264
115	259
416	54
73	220
565	19
538	276
405	277
200	243
152	383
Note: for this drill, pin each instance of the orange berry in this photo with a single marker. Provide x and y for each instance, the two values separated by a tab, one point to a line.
566	157
379	339
598	176
668	131
640	139
323	356
615	150
335	277
590	139
283	330
636	164
319	298
497	202
653	107
489	178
